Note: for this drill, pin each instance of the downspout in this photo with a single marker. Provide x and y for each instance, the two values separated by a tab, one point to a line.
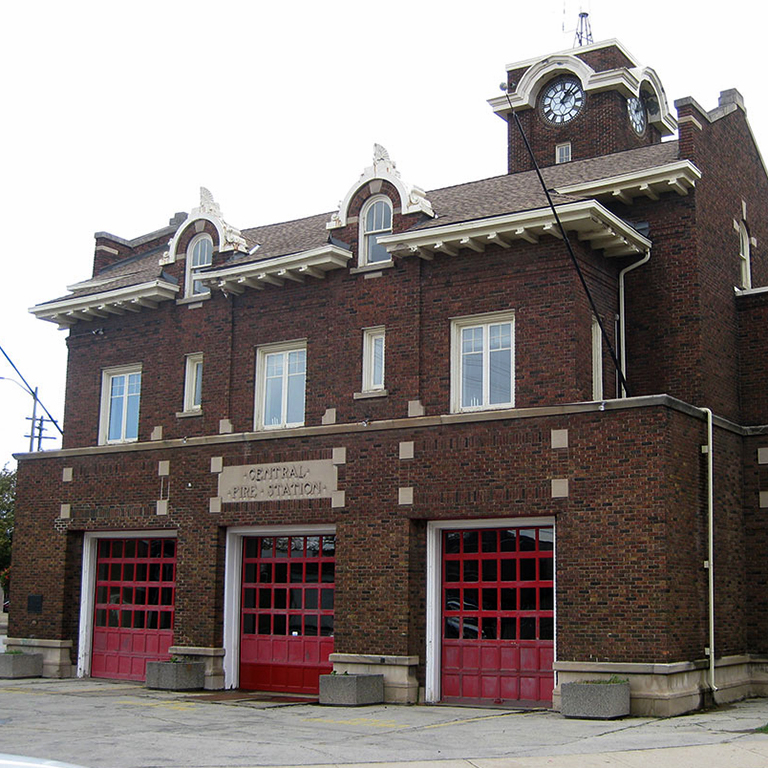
710	562
622	325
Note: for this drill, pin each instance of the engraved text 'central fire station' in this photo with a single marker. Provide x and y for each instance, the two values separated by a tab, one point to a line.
275	482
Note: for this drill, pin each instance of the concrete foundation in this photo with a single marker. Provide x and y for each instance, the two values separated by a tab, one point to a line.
400	684
56	654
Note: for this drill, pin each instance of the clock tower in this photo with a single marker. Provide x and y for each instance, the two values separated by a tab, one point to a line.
586	102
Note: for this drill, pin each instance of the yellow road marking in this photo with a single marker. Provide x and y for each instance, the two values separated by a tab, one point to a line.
468	720
175	705
373	722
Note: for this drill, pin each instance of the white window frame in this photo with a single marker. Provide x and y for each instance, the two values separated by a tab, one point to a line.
192	369
107	375
262	353
485	321
563	153
745	257
432	692
364	258
597	361
373	337
191	269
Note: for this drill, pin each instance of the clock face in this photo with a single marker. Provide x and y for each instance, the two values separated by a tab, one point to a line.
562	100
637	115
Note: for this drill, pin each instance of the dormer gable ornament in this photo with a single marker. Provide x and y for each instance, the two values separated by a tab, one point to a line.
230	238
412	198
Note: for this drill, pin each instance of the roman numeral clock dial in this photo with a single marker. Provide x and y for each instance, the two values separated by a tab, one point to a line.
562	100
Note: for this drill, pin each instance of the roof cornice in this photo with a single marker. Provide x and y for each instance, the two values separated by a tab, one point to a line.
680	177
275	271
592	222
132	298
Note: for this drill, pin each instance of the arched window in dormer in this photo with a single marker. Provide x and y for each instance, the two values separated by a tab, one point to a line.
745	270
375	221
199	254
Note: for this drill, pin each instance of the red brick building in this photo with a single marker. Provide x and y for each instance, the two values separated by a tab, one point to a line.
392	437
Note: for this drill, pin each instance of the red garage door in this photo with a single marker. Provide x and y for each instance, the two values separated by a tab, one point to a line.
135	591
287	612
498	619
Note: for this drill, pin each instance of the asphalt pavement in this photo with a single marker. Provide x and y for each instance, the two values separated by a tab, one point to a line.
110	724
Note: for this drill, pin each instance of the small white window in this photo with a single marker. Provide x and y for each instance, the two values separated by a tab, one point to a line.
281	373
745	268
483	362
597	361
375	221
199	254
193	382
563	153
120	398
373	359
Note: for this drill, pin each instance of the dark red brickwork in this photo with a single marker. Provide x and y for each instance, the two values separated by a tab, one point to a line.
631	536
753	357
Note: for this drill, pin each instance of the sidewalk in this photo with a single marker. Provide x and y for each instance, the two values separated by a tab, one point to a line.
108	724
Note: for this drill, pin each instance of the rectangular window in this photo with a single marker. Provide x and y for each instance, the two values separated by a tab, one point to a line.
597	361
373	359
193	382
281	372
120	397
483	362
563	153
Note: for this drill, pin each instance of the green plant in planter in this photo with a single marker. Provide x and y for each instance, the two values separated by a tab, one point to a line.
14	652
612	680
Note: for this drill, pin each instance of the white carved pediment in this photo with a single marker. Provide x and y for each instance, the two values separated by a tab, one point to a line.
413	199
230	238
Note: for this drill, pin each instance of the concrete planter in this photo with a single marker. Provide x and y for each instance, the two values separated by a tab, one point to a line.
21	664
595	701
351	690
175	675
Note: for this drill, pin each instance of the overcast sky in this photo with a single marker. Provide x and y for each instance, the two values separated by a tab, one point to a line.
116	114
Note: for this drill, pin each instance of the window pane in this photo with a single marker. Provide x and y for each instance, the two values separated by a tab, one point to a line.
273	402
378	362
501	377
116	397
295	407
132	407
472	380
197	396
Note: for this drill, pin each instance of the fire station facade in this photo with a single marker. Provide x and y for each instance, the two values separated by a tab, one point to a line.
390	438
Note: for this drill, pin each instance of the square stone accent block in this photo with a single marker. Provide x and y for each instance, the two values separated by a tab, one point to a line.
762	455
163	468
405	495
217	463
329	417
595	701
351	690
21	664
763	499
214	505
415	408
65	511
339	455
156	434
225	427
406	450
161	506
338	499
560	488
66	475
175	675
559	438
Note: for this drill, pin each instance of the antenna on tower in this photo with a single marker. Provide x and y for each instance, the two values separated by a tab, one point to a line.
583	31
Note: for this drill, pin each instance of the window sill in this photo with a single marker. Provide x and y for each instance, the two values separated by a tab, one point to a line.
189	414
196	299
370	394
378	266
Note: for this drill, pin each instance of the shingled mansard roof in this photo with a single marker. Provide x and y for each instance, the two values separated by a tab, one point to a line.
498	210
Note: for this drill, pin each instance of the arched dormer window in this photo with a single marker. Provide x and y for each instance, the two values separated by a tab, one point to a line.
375	221
745	269
199	254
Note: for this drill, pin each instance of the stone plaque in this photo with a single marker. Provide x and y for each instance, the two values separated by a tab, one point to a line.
278	482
